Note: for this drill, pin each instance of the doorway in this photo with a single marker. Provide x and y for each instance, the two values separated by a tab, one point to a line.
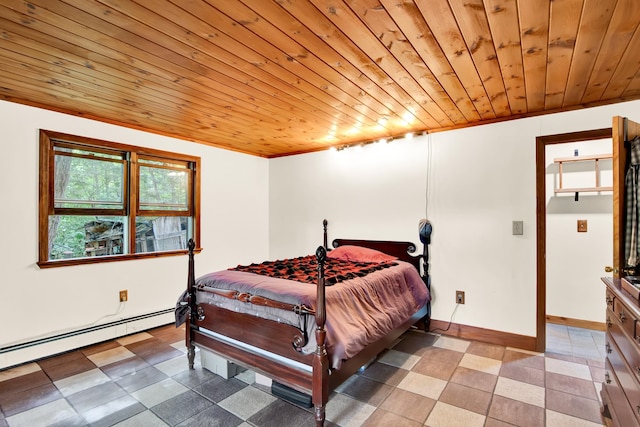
541	218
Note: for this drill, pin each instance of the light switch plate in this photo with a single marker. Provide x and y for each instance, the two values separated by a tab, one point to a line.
517	228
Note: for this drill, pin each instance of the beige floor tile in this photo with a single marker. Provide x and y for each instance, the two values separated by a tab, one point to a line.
246	402
423	385
556	419
522	392
19	371
567	368
159	392
50	413
129	339
445	415
452	344
80	382
347	412
110	356
481	363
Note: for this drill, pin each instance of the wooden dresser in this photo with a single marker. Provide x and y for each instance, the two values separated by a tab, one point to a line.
621	388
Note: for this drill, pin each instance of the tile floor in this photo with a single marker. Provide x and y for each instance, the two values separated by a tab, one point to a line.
425	379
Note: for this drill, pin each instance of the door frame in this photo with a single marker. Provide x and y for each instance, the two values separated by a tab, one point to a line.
541	220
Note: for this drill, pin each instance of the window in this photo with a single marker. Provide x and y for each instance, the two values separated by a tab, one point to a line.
103	201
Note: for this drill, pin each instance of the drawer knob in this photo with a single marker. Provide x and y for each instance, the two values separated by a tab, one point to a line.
608	347
609	300
609	324
622	316
607	378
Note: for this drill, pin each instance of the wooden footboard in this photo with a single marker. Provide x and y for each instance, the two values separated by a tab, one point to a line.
272	348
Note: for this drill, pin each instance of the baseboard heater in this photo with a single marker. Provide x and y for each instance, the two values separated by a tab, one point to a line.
77	332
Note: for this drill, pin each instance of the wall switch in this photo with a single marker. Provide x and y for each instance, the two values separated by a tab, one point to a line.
582	226
124	296
459	297
517	228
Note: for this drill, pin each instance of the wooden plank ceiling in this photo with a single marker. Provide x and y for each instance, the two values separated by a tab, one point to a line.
274	78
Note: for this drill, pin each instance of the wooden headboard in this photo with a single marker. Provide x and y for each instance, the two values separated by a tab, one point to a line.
402	250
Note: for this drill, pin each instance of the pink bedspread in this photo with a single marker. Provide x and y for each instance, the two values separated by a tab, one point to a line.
359	310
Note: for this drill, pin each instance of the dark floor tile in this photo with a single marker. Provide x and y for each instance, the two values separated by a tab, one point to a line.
141	379
77	366
23	400
366	390
169	334
597	373
571	385
154	351
474	379
409	405
516	371
416	343
576	406
22	383
492	351
466	397
492	422
214	416
181	407
384	373
59	359
95	396
125	367
516	413
438	363
280	413
383	418
217	388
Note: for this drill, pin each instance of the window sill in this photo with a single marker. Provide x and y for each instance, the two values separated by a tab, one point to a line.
112	258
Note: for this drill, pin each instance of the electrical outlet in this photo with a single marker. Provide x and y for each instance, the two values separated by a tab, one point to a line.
124	296
459	297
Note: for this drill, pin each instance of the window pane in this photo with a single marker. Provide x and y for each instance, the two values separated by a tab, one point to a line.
88	182
165	233
80	236
163	188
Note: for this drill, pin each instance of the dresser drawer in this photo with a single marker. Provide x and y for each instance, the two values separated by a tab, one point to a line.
625	317
625	376
613	396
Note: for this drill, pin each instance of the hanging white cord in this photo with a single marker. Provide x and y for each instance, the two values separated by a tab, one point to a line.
428	177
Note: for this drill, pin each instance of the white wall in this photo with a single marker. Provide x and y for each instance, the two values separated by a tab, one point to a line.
37	303
574	258
478	181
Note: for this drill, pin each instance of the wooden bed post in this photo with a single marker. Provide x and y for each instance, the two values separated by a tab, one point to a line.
191	300
324	226
320	391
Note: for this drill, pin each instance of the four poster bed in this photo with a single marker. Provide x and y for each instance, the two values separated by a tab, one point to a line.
311	322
